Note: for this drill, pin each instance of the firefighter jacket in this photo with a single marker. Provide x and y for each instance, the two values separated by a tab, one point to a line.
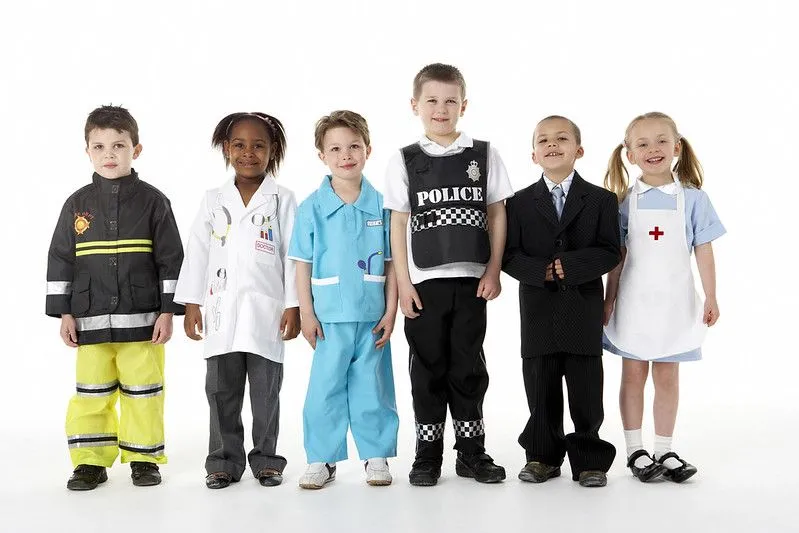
114	260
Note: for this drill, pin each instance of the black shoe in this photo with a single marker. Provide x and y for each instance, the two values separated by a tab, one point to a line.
647	473
679	474
87	477
480	467
269	477
218	480
593	478
144	474
535	472
424	474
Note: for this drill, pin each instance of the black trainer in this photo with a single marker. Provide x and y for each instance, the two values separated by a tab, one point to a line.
424	473
144	474
480	467
87	477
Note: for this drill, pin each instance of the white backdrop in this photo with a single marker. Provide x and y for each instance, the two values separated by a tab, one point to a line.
725	72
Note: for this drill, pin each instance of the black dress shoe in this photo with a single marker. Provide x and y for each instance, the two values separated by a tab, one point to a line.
424	474
535	472
679	474
647	473
480	467
218	480
593	478
87	477
269	477
144	474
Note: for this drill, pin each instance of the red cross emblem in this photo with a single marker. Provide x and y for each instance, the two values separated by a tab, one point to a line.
656	232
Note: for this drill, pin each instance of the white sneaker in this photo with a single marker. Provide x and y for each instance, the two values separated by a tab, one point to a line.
377	474
318	475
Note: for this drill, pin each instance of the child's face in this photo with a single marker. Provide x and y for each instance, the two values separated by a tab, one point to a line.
652	146
111	152
345	153
248	149
555	147
440	105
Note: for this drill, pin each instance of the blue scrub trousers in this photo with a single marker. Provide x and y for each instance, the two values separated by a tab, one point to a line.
351	385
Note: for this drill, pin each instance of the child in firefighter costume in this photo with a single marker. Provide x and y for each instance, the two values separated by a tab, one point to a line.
348	301
446	194
111	274
236	267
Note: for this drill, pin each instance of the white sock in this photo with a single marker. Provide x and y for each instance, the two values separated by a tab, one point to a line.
634	441
379	463
662	447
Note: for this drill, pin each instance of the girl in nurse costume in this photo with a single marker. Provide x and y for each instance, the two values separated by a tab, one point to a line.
653	314
235	266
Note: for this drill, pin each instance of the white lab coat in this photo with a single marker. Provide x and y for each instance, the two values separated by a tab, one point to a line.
240	275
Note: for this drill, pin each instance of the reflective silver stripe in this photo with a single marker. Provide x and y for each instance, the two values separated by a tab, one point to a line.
168	286
59	287
142	391
92	440
137	320
154	450
92	390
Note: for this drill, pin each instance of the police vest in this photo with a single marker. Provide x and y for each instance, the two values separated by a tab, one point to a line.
449	218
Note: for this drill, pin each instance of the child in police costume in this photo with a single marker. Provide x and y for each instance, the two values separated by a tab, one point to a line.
236	267
652	310
111	274
562	237
446	195
348	304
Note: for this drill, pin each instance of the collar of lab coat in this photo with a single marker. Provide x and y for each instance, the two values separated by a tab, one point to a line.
267	188
668	188
367	201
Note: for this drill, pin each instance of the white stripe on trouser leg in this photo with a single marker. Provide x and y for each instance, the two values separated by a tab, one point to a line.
92	390
91	440
153	450
142	391
468	428
429	432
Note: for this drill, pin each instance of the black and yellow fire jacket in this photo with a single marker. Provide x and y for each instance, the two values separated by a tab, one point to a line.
114	260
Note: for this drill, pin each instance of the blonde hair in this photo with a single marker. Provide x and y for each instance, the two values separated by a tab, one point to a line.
687	168
340	119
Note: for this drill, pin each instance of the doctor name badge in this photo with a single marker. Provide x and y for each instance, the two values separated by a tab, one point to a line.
371	223
265	247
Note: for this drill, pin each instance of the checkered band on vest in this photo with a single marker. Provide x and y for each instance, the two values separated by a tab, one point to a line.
449	216
429	432
468	428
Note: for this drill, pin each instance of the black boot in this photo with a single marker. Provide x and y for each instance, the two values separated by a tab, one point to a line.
87	477
144	474
480	467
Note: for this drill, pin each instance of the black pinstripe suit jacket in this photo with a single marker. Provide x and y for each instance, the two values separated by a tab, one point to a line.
566	315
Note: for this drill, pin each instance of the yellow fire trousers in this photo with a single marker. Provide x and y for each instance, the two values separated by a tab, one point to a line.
134	372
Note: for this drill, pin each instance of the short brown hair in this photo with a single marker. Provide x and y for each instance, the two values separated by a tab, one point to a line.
110	116
577	135
340	119
438	72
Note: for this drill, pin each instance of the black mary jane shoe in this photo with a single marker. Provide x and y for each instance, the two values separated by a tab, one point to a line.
647	473
679	474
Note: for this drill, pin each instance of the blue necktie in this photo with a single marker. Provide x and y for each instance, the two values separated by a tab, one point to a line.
558	198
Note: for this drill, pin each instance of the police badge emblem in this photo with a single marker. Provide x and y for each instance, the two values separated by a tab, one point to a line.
473	171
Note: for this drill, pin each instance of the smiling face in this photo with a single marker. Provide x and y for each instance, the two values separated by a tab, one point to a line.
652	145
111	152
555	147
345	153
248	149
440	105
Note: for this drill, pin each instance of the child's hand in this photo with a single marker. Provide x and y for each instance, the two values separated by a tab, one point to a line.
548	275
162	331
711	314
408	297
489	286
559	269
290	323
608	310
386	324
311	329
69	331
193	318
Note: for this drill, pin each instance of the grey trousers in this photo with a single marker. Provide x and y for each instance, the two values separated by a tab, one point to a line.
224	386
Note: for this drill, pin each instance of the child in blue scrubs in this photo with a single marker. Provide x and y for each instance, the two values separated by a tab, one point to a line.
348	304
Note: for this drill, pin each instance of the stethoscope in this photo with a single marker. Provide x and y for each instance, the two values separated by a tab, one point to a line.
259	220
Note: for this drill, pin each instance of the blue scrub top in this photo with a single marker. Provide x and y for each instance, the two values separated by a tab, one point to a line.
348	245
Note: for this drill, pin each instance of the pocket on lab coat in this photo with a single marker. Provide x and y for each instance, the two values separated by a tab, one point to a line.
264	322
265	252
326	296
374	293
